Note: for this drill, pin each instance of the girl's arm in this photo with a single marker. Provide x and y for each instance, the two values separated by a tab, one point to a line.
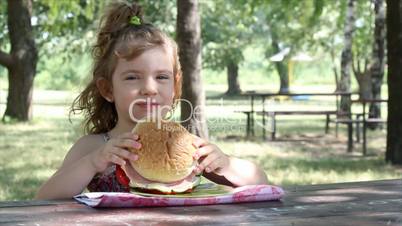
75	173
238	172
68	181
225	169
90	155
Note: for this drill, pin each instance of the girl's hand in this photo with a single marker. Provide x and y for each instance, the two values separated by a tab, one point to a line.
115	151
210	157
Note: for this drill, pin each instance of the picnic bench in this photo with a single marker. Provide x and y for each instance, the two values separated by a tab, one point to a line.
273	113
360	120
356	122
356	203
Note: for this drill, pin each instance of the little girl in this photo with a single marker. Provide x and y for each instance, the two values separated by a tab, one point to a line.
134	62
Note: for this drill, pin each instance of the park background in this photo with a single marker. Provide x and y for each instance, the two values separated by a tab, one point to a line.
241	44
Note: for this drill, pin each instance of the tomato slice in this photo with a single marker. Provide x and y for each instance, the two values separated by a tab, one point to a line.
121	176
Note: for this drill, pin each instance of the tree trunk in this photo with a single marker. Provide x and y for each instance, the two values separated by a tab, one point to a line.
334	68
377	67
364	81
189	41
346	57
363	77
394	51
233	79
281	67
21	62
283	76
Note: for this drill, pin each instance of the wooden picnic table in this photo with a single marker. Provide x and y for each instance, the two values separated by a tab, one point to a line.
264	95
357	203
349	121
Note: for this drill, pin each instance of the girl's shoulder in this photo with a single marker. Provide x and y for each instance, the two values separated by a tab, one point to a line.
89	142
83	146
86	144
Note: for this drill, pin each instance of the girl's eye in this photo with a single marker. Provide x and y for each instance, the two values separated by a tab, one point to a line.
132	77
162	77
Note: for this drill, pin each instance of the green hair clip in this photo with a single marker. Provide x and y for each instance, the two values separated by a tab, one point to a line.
135	20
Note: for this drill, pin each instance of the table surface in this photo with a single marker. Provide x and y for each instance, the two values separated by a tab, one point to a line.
356	203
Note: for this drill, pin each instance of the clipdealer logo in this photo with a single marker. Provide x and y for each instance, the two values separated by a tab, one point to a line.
156	113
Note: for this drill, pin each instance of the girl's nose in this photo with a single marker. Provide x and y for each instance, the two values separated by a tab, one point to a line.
149	87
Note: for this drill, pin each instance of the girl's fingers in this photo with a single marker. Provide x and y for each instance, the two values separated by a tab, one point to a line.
127	143
122	153
198	142
128	169
204	164
117	160
214	165
128	135
203	151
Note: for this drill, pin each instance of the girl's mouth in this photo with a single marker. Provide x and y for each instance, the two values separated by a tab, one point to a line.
147	105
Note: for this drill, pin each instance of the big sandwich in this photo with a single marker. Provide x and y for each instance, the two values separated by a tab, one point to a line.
165	160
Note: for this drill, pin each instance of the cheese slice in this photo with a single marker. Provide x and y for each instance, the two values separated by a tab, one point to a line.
185	185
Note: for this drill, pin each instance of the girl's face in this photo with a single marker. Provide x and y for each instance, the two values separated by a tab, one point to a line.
145	83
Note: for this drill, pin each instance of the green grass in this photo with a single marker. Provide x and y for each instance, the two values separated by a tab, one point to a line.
31	152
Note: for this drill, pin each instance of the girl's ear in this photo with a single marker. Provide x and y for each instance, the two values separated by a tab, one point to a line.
105	89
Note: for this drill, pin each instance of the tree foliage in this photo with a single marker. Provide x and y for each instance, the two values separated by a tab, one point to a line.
65	26
227	29
161	13
32	24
